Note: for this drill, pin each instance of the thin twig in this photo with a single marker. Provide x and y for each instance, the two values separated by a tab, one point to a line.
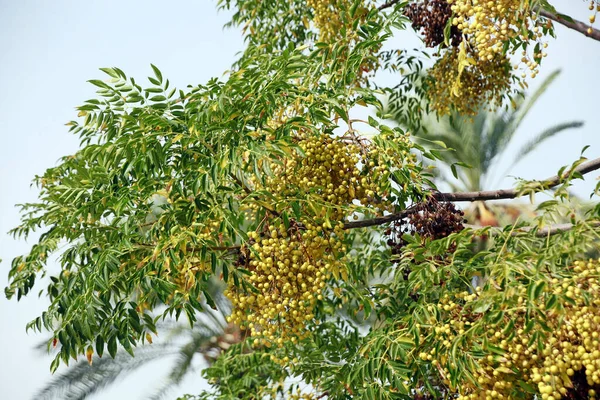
541	232
380	220
240	183
388	4
575	25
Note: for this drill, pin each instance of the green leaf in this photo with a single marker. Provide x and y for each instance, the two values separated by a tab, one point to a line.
453	169
157	73
54	364
551	302
209	300
99	345
111	72
99	83
112	346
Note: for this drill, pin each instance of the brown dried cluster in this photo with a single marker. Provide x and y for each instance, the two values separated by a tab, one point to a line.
431	219
431	17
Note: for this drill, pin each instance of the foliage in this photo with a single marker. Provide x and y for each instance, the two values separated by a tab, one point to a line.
207	337
268	181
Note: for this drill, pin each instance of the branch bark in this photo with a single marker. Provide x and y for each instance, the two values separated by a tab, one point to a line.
388	4
575	25
548	183
379	220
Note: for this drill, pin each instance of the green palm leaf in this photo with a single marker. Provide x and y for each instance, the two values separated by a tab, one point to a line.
546	134
82	380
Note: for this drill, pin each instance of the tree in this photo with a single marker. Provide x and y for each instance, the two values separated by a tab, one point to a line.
273	185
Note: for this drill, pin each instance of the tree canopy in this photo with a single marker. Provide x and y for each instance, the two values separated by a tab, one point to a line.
349	274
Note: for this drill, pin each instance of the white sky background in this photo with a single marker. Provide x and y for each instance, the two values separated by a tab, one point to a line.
49	49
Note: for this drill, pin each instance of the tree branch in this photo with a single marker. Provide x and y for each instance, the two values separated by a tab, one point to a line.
388	4
379	220
584	168
575	25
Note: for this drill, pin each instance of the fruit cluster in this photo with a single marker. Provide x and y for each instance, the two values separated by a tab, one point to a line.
326	17
430	219
554	355
329	172
458	83
431	17
490	25
290	261
289	268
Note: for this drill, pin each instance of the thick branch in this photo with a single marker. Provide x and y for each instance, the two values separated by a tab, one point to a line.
583	169
575	25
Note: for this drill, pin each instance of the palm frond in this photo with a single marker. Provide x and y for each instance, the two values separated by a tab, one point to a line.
524	108
546	134
481	140
185	356
82	380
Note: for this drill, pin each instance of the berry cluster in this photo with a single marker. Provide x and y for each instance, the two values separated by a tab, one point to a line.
491	24
431	18
459	83
430	219
289	269
560	361
290	262
326	17
328	172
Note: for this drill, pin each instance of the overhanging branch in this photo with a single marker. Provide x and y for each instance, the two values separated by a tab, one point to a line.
548	183
575	25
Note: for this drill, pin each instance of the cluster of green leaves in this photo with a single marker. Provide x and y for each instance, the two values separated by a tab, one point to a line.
407	99
162	187
274	23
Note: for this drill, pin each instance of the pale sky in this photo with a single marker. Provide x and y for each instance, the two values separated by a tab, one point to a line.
49	49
